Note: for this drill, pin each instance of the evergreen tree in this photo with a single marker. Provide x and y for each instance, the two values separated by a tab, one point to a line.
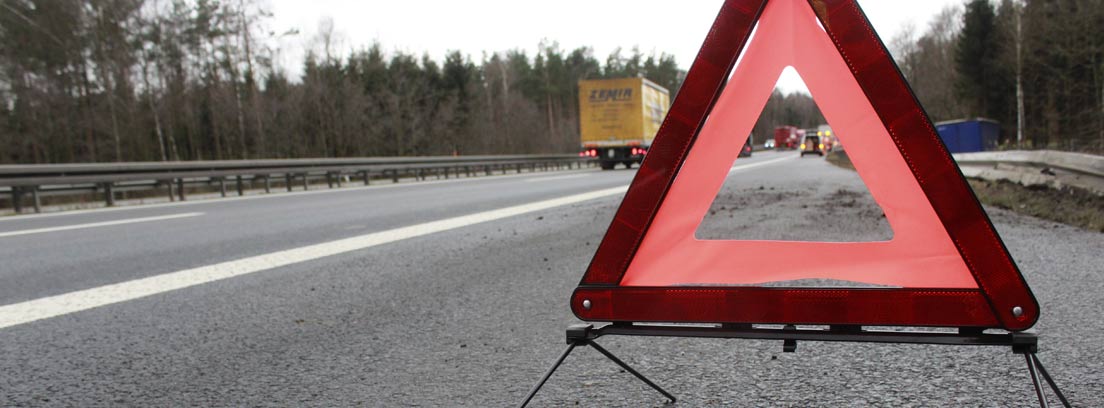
983	82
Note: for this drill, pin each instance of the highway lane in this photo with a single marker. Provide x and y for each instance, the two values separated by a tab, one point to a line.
465	317
232	229
118	245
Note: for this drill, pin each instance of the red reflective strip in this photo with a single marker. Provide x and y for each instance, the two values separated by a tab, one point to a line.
695	98
939	177
869	307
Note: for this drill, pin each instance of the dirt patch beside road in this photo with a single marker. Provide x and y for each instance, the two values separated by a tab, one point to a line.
1067	205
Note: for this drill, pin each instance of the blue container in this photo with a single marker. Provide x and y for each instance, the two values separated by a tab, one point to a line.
969	135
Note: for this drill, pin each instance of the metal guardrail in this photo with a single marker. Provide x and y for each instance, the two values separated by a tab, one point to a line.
1036	167
34	181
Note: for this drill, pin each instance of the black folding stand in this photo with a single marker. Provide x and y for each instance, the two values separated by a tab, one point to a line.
1021	343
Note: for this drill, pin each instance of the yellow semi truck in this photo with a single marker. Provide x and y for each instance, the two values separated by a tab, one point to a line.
618	118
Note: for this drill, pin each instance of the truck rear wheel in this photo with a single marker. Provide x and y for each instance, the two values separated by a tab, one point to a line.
606	165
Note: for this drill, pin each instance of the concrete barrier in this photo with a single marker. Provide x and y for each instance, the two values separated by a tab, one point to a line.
1036	167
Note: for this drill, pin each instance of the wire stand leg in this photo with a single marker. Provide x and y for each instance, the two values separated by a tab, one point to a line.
533	392
632	371
1050	381
1035	381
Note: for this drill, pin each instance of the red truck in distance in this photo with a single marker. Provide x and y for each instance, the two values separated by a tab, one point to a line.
787	137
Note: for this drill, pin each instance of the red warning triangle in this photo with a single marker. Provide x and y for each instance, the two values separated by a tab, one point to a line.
945	265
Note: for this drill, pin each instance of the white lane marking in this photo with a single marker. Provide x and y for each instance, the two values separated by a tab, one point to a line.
762	163
213	199
569	176
98	224
58	305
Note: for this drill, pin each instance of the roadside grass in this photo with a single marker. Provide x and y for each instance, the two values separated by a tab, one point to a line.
1067	205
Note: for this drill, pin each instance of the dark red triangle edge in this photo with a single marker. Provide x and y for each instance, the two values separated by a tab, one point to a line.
1002	300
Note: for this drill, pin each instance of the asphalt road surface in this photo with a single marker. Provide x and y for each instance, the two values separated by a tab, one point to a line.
454	293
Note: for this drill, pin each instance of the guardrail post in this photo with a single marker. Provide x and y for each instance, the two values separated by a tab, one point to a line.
306	181
34	196
267	183
329	179
180	188
487	169
239	181
222	186
394	175
17	199
288	179
364	173
109	193
169	184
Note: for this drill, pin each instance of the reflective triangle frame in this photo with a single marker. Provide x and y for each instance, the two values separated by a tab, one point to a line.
1002	298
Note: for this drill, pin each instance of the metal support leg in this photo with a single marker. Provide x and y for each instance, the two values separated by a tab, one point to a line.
222	186
288	181
241	190
1049	380
572	343
631	370
267	184
180	188
1035	367
548	374
1035	381
365	175
306	182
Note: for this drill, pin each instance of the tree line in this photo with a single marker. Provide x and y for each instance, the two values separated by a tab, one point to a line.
148	80
1036	66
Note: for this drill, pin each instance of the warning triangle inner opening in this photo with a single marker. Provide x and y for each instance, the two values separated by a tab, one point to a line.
792	180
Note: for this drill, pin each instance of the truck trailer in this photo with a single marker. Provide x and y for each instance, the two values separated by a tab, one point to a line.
969	135
619	118
787	137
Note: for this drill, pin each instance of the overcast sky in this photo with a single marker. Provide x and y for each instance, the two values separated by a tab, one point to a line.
478	26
